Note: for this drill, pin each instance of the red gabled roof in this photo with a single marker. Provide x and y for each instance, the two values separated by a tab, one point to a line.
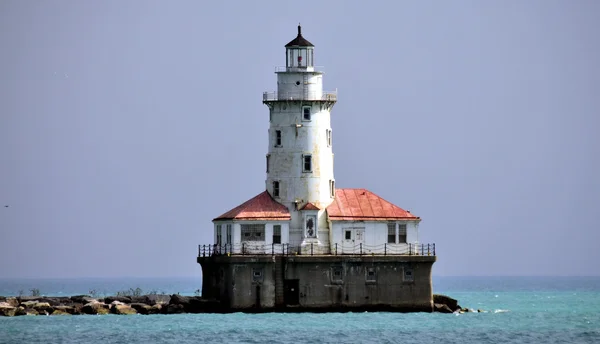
261	207
363	205
310	206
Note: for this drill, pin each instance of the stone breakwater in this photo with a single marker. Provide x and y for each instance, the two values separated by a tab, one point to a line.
150	304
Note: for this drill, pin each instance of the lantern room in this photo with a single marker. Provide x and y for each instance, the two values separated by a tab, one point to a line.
299	53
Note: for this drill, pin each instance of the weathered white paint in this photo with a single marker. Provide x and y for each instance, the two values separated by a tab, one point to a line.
300	86
374	237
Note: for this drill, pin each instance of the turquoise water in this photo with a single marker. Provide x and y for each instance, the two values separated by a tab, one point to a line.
519	310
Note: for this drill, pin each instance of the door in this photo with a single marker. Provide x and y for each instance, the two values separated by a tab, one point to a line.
353	237
291	293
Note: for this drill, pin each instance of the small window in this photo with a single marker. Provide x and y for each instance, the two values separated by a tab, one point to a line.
337	273
328	133
268	158
307	163
277	234
276	188
277	138
402	233
348	235
371	275
391	232
408	275
306	113
257	274
332	188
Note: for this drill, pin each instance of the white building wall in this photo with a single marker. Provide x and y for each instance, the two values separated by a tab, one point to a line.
373	235
265	246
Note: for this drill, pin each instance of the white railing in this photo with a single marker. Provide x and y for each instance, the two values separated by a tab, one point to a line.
300	95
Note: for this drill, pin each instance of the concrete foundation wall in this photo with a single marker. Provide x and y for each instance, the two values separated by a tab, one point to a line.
320	283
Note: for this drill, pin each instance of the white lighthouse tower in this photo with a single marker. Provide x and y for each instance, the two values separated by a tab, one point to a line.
300	156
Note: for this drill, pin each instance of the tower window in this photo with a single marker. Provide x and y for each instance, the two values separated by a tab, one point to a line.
328	134
276	188
306	113
332	188
277	234
268	158
277	138
307	163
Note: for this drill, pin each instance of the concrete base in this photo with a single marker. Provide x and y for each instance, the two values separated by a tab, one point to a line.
326	283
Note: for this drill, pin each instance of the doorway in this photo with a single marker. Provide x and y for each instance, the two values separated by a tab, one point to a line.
291	293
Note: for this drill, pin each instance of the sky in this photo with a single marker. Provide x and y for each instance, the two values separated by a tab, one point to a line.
127	126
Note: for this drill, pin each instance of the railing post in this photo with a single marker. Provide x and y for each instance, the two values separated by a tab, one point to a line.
361	248
385	249
243	248
273	249
336	248
422	249
434	249
428	253
311	248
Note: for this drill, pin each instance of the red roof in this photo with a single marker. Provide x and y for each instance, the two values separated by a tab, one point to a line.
363	205
261	207
310	206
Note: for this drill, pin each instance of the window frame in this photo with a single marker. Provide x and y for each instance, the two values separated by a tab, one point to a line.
249	232
402	233
268	162
304	118
328	137
392	233
276	188
304	157
332	188
276	234
278	138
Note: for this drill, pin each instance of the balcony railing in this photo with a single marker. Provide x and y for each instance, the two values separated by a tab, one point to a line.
259	248
300	95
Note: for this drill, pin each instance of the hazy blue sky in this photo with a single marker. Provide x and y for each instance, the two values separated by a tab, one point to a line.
126	126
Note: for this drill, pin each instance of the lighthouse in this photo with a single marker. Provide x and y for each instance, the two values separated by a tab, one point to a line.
302	243
299	161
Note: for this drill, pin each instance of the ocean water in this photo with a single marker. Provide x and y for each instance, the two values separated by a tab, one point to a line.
517	310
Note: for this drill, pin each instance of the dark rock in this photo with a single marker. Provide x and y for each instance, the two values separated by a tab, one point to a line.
82	299
141	308
57	301
199	305
446	300
123	299
43	308
179	300
20	311
441	308
28	298
173	309
154	299
66	309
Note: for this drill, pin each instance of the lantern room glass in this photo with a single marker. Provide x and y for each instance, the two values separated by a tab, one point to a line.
300	57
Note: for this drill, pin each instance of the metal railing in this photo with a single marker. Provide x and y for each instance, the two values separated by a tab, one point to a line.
300	95
279	69
252	248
